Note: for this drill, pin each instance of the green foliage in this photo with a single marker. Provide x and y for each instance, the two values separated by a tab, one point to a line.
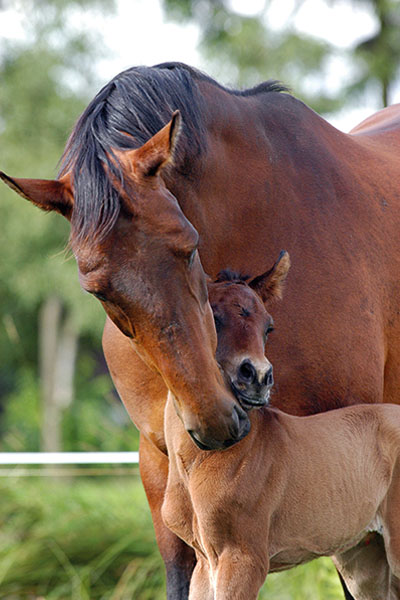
47	80
317	580
378	56
37	112
94	540
96	420
244	50
20	425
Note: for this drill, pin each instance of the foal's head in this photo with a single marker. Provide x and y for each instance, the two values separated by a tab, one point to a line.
243	324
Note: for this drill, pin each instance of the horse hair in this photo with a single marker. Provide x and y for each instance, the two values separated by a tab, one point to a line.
138	102
231	277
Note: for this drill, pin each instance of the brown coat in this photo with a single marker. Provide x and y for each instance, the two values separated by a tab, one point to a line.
294	489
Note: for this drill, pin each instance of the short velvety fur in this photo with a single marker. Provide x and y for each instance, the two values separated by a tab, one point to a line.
294	489
125	114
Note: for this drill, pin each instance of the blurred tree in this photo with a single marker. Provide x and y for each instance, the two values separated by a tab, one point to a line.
379	55
38	285
243	49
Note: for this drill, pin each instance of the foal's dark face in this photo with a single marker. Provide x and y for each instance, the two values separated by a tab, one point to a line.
242	325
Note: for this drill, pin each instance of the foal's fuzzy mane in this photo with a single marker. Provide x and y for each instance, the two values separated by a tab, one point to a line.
231	277
138	102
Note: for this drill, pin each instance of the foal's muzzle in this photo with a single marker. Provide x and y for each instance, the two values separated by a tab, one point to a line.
251	387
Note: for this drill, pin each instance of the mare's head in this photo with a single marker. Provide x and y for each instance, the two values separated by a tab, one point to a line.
137	252
243	324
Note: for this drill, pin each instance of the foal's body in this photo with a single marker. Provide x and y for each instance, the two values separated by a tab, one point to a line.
294	489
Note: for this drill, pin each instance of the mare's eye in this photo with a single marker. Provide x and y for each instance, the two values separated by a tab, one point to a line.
191	257
99	296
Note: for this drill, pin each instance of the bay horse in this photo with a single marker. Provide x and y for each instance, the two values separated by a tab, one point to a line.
295	488
232	177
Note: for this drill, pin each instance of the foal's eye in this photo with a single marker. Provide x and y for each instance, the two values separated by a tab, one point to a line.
218	323
268	330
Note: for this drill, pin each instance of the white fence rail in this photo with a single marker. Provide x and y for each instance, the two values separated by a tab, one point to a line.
69	458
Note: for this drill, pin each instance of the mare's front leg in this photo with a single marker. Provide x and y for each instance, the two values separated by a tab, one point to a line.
179	558
144	395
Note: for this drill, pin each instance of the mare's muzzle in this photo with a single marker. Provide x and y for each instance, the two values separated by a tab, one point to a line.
238	429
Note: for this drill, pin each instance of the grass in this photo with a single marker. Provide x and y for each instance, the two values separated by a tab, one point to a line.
81	540
92	539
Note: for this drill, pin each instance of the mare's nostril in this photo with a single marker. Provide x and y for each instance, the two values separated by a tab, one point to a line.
269	378
247	373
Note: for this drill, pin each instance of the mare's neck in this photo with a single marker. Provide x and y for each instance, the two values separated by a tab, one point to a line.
266	157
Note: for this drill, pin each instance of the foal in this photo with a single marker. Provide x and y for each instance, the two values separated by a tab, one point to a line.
295	488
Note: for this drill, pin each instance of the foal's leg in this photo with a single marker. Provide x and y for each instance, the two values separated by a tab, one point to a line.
179	558
201	587
365	569
394	588
347	595
239	576
391	526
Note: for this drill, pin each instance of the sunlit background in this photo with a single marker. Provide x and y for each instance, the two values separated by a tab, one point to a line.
147	32
92	537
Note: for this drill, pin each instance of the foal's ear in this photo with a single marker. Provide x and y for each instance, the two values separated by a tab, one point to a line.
270	284
47	194
156	153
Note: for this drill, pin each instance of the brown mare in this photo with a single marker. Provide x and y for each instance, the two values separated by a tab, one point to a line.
295	488
243	174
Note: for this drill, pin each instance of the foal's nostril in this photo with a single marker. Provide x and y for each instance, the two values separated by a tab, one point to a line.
269	378
247	373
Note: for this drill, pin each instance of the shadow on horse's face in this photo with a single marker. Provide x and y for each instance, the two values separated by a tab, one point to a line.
146	272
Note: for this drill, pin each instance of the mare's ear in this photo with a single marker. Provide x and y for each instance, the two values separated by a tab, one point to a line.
156	153
270	284
47	194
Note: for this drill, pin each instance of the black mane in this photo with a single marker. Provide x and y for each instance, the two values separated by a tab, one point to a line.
271	85
138	101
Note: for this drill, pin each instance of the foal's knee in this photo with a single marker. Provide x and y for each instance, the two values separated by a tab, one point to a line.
239	576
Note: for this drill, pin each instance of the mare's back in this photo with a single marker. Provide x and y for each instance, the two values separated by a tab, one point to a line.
381	127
